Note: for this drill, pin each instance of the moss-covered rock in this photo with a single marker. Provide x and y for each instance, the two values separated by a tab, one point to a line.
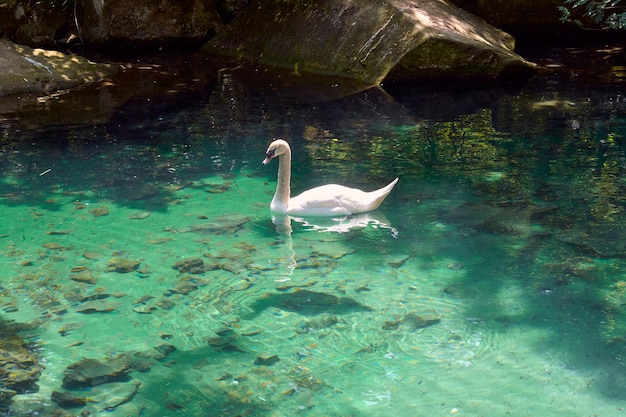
371	40
19	367
41	71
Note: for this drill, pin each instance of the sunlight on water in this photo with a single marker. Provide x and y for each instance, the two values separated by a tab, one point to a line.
144	276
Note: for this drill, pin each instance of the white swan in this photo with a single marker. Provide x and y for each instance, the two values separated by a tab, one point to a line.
326	200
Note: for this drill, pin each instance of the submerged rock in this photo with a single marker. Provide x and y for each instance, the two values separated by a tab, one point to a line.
266	359
225	340
144	309
83	275
139	216
92	256
158	352
68	399
165	304
412	321
316	324
122	265
19	368
183	287
91	372
69	327
115	394
98	306
604	240
100	211
307	302
227	224
191	265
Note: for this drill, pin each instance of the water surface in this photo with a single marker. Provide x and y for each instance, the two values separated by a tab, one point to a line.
490	282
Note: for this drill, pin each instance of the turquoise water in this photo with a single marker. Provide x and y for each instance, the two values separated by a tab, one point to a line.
491	282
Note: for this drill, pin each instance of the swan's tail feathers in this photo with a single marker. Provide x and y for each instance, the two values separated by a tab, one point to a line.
381	193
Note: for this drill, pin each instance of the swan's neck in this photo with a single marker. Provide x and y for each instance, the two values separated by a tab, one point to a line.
283	188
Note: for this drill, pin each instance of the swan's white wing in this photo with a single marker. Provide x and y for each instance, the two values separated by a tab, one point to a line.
329	199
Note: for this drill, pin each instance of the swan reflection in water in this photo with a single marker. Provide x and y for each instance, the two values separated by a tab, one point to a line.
339	224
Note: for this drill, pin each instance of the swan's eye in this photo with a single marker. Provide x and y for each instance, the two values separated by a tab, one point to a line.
271	152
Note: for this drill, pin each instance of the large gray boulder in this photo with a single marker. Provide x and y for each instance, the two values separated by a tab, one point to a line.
146	23
371	40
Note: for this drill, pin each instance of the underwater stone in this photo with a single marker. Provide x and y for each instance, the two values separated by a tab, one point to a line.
122	265
85	276
157	353
165	304
307	302
224	340
266	359
92	256
92	372
100	211
234	267
68	327
600	239
391	325
415	321
144	309
141	365
412	321
460	291
19	369
98	306
139	216
192	264
227	224
56	246
183	288
158	240
110	396
92	297
399	261
317	324
67	399
165	349
6	395
287	287
144	299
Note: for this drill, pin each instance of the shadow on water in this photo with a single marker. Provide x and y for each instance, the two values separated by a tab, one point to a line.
550	218
305	302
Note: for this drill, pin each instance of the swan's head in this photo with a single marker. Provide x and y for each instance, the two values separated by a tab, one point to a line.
276	148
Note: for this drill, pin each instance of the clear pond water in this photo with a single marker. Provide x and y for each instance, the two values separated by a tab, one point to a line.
491	282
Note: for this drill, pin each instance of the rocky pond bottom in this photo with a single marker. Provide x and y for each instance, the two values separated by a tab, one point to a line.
142	274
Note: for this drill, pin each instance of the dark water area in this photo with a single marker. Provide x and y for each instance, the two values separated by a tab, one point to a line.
136	233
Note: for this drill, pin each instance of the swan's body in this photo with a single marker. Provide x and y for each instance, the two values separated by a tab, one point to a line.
326	200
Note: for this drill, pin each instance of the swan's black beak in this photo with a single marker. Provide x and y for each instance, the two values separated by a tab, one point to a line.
271	153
